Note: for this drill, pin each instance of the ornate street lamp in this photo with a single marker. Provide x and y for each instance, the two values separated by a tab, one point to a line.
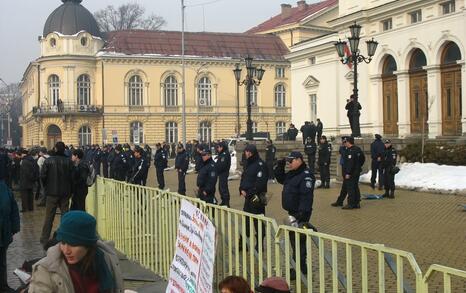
253	77
354	59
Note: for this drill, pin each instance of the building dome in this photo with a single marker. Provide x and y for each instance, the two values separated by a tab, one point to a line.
70	18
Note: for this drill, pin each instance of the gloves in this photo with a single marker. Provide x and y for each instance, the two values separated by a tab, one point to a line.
293	222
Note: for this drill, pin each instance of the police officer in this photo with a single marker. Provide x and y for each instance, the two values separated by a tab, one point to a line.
297	196
223	165
207	177
377	150
97	159
160	162
344	189
388	164
310	149
130	159
148	159
253	186
119	165
104	160
325	151
199	163
270	153
352	167
181	167
139	168
319	128
110	159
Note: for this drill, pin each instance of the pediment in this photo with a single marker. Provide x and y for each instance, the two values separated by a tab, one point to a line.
311	82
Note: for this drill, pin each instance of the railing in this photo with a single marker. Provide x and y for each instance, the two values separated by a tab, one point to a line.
143	221
67	109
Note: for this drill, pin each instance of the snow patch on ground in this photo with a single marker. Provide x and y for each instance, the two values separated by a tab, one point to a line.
428	177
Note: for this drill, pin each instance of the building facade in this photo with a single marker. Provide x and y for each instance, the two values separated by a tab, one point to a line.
127	87
415	83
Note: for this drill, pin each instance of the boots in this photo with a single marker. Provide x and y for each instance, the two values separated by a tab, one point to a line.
392	194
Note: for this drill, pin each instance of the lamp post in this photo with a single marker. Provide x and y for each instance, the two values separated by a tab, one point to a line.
253	77
354	59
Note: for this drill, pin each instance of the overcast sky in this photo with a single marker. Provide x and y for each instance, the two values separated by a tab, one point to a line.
22	21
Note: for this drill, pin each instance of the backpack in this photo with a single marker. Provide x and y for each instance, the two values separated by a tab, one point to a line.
91	176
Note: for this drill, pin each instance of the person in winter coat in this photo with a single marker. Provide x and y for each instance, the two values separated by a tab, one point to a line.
28	175
181	167
79	262
223	165
80	174
325	151
9	223
292	132
388	164
377	150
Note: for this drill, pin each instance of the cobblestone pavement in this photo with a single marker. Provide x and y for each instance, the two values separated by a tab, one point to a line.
431	226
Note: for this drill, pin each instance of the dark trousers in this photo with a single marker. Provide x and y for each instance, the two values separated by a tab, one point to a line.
27	200
312	162
257	210
354	195
223	188
376	167
181	182
51	205
209	198
105	169
302	247
389	180
97	168
324	174
144	178
270	169
354	123
78	200
343	192
160	178
3	269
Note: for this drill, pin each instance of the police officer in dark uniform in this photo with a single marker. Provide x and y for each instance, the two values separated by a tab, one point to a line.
148	159
377	150
352	167
181	167
110	158
104	160
270	153
207	178
129	158
97	159
297	196
223	165
325	151
160	162
199	163
344	189
139	168
353	112
388	164
310	149
253	186
119	165
319	127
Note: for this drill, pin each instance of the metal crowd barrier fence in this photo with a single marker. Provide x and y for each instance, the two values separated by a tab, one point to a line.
142	221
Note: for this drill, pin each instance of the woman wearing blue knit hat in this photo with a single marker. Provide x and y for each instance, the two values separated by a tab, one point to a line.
80	262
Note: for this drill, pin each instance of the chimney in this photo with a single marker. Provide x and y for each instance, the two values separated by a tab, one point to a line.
302	4
286	10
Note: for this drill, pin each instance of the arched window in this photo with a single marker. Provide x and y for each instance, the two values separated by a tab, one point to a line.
171	132
280	94
254	127
205	129
136	132
253	95
451	54
205	92
135	88
171	91
280	127
84	90
54	89
418	60
389	65
85	136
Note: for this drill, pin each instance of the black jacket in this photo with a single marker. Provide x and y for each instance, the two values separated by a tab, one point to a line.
389	158
270	152
119	167
56	176
28	173
353	108
138	171
160	159
223	163
5	165
182	161
255	176
310	148
207	178
377	149
352	161
325	152
80	174
298	191
292	133
319	127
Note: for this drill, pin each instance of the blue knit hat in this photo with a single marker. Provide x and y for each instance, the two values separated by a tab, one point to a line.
77	228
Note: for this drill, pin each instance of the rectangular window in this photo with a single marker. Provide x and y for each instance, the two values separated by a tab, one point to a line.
387	24
280	72
313	99
416	16
448	7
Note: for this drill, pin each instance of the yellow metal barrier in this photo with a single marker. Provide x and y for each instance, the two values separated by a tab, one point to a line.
143	221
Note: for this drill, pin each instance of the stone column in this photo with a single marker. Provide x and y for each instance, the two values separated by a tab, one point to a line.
434	100
463	96
404	123
376	103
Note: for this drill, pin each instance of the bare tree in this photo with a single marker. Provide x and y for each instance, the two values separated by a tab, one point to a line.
10	111
126	17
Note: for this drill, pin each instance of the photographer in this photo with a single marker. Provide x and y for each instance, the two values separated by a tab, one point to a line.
297	197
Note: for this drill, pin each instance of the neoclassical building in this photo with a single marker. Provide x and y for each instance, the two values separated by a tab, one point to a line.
414	84
126	86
